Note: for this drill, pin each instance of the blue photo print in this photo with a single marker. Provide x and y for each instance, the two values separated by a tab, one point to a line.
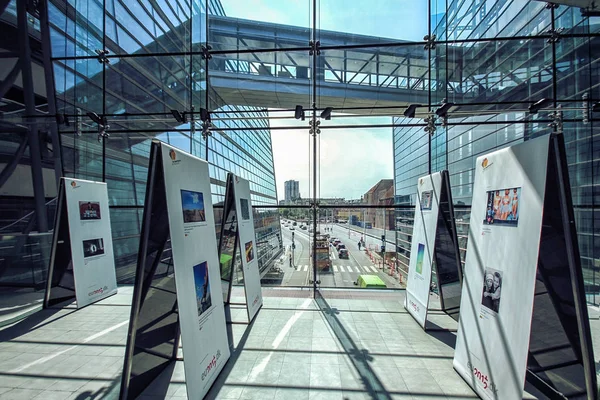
192	204
202	284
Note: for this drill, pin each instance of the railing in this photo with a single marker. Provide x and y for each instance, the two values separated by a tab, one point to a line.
24	260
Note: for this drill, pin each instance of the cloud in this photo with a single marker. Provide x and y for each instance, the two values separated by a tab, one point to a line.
351	161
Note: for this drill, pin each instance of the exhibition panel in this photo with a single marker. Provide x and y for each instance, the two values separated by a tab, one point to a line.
494	326
82	262
523	279
435	240
247	243
183	186
423	240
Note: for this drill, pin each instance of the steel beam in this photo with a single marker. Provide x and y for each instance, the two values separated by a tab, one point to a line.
29	98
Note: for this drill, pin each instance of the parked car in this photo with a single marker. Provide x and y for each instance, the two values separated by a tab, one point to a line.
343	253
340	246
292	228
336	242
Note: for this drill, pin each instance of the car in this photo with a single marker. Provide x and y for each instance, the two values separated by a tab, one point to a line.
294	223
340	245
370	282
331	239
336	242
343	253
303	227
292	228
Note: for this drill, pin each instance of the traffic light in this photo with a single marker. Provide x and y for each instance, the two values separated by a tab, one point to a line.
383	238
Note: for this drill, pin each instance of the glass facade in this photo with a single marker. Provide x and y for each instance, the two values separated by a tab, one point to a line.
492	60
154	64
314	92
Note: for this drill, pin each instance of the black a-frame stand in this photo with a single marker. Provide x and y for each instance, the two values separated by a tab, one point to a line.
446	256
229	241
153	335
60	285
560	362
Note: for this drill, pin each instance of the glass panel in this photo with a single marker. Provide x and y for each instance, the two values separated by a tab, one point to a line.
267	24
373	77
368	22
495	19
274	80
134	26
476	136
148	85
79	85
499	71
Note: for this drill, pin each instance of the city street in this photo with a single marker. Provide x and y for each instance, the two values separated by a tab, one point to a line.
344	272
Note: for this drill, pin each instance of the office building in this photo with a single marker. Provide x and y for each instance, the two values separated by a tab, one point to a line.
292	191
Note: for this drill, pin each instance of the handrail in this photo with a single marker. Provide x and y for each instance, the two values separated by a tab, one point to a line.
25	216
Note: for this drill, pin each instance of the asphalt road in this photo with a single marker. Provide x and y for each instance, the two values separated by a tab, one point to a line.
344	272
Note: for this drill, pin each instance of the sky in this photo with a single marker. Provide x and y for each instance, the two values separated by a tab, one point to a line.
351	160
392	19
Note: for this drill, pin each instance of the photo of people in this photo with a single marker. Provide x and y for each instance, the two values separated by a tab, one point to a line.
202	283
89	210
503	207
93	247
492	286
192	204
426	200
420	255
245	209
249	251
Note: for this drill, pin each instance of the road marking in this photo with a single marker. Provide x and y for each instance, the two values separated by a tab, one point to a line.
335	268
357	270
305	268
374	269
366	268
342	268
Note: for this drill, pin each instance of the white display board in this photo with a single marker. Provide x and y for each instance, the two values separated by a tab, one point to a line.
247	241
500	269
423	246
91	240
196	266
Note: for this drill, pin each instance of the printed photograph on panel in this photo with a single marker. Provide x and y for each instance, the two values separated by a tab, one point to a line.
502	207
492	288
420	256
426	200
202	283
249	251
245	209
89	210
93	247
192	204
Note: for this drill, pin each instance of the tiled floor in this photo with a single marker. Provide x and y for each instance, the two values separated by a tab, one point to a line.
296	348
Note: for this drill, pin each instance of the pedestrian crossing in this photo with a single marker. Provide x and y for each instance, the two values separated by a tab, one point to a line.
345	268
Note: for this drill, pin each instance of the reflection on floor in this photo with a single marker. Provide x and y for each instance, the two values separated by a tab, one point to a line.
344	345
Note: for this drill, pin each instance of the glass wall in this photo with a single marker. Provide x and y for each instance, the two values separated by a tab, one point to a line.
315	91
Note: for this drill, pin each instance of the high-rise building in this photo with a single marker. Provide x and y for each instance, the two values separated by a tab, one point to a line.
492	78
292	191
144	77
